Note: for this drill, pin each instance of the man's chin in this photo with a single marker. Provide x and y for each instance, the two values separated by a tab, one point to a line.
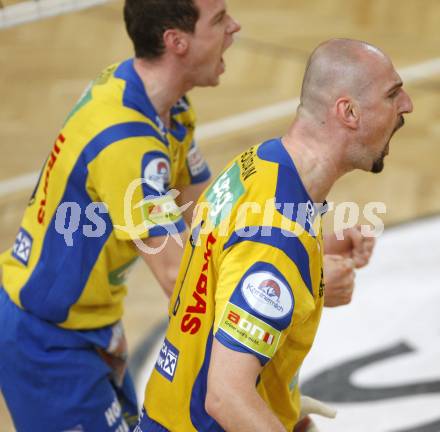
212	82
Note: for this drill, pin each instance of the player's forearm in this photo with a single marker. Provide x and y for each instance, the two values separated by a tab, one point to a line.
242	412
188	199
164	259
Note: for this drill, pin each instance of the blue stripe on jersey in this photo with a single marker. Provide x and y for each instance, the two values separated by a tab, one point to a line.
147	424
234	345
274	151
291	246
163	230
202	177
199	417
135	97
62	272
296	193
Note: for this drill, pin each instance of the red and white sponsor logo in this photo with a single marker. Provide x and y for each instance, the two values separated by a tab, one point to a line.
251	328
196	162
157	174
267	295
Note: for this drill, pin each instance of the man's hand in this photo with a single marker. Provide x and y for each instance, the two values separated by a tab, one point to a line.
353	244
339	280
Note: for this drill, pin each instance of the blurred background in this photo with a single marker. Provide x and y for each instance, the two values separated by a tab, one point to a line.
378	359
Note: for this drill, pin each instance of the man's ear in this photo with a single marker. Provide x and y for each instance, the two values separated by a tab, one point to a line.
348	112
175	41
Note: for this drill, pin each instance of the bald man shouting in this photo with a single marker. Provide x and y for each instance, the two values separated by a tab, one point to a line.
249	295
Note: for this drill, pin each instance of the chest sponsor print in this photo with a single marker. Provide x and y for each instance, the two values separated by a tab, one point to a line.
224	193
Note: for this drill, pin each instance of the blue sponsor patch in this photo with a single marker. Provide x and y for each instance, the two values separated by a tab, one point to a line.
166	363
22	246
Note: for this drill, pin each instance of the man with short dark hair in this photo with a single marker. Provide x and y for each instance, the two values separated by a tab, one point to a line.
250	290
109	191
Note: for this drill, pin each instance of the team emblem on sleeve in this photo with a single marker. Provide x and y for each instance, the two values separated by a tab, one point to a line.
196	162
157	174
267	295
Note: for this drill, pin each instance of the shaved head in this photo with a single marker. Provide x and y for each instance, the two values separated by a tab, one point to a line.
339	67
352	102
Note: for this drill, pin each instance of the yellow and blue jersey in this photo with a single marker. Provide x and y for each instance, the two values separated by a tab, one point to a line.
251	277
105	182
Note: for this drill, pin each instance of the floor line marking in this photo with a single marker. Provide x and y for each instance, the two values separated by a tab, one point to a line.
33	10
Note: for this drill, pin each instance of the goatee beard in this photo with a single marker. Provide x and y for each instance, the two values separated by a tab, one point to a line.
378	164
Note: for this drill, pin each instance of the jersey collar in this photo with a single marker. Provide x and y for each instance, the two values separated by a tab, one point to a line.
136	97
290	188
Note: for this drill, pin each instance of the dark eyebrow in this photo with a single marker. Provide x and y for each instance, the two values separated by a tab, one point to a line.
218	16
396	86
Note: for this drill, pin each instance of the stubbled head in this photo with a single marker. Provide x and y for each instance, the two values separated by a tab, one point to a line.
353	85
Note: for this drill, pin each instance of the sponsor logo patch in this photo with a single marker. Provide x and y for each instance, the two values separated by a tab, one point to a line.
166	363
267	295
250	331
157	174
22	247
196	163
224	193
160	211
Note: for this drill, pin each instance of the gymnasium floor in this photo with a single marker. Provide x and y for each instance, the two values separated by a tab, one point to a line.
46	64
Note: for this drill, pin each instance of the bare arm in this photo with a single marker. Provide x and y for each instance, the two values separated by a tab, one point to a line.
232	399
190	193
163	255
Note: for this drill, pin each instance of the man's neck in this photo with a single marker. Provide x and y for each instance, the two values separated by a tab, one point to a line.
163	87
316	158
